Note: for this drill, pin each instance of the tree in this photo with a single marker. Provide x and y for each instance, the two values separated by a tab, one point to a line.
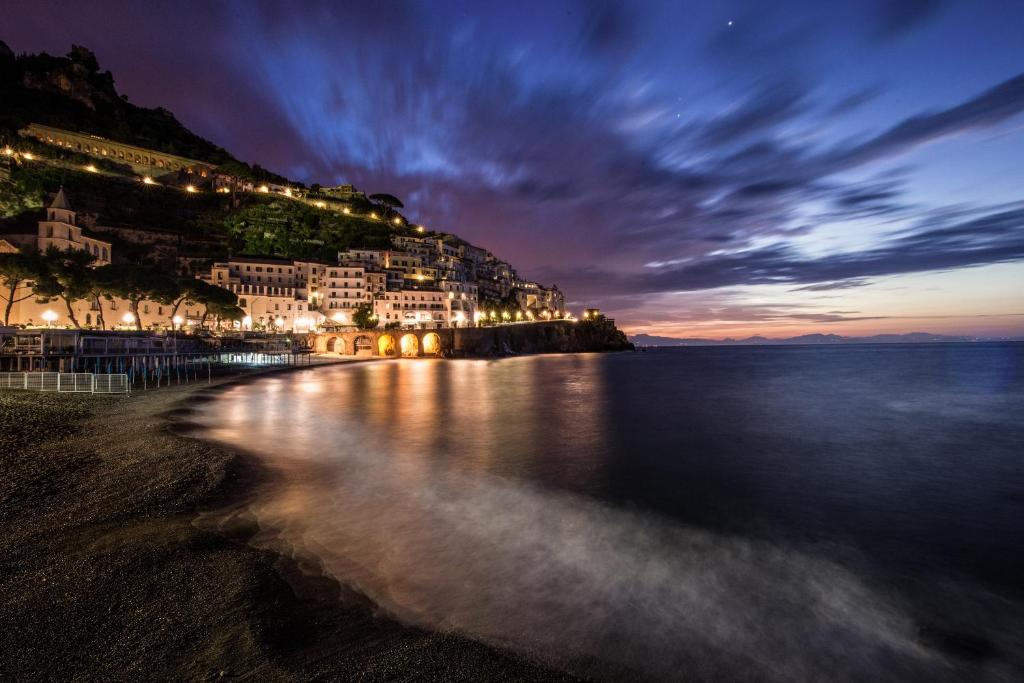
65	275
217	301
389	201
193	290
364	318
136	283
223	311
17	270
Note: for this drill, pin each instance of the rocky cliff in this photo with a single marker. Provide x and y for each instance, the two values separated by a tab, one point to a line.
553	337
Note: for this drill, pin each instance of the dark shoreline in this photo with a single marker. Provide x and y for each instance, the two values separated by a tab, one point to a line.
107	575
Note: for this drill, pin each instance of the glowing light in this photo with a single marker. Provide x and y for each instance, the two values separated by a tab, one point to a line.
373	215
421	229
28	156
338	317
459	317
519	315
247	321
224	190
190	188
128	318
147	181
346	211
396	220
8	151
506	315
419	277
322	205
49	316
177	320
287	192
92	169
279	322
264	188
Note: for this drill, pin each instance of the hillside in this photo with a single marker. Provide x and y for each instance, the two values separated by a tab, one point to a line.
72	92
207	224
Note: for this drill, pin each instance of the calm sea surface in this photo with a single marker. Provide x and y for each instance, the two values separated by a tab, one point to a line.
758	513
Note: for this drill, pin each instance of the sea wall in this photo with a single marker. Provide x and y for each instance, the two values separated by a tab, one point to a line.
552	337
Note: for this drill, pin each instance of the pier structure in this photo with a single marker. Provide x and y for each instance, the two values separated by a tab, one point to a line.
146	357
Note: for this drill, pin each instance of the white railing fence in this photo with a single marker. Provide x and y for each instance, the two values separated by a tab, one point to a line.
65	382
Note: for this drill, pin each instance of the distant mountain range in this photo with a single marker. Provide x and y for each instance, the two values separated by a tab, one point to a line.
910	338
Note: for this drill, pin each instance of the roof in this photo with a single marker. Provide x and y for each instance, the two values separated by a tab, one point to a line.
260	259
61	201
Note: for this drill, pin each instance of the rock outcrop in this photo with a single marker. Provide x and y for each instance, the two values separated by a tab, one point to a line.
553	337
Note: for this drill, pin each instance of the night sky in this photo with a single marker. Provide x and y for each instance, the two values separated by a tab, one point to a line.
699	169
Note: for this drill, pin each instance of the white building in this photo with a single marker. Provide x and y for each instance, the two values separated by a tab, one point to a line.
424	308
276	294
344	288
460	301
60	230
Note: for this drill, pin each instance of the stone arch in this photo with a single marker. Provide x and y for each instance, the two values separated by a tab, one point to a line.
431	343
386	345
410	345
335	345
362	346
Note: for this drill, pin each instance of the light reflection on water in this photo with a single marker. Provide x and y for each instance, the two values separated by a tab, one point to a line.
467	495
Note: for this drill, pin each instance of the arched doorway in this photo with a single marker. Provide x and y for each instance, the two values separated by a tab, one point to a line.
386	345
432	343
335	345
410	345
363	346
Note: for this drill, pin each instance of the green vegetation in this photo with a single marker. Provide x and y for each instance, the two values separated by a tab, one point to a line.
291	229
364	318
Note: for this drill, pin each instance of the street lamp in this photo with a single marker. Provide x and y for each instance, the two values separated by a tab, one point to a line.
177	320
49	316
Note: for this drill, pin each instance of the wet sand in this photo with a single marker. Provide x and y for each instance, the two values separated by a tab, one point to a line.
104	574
